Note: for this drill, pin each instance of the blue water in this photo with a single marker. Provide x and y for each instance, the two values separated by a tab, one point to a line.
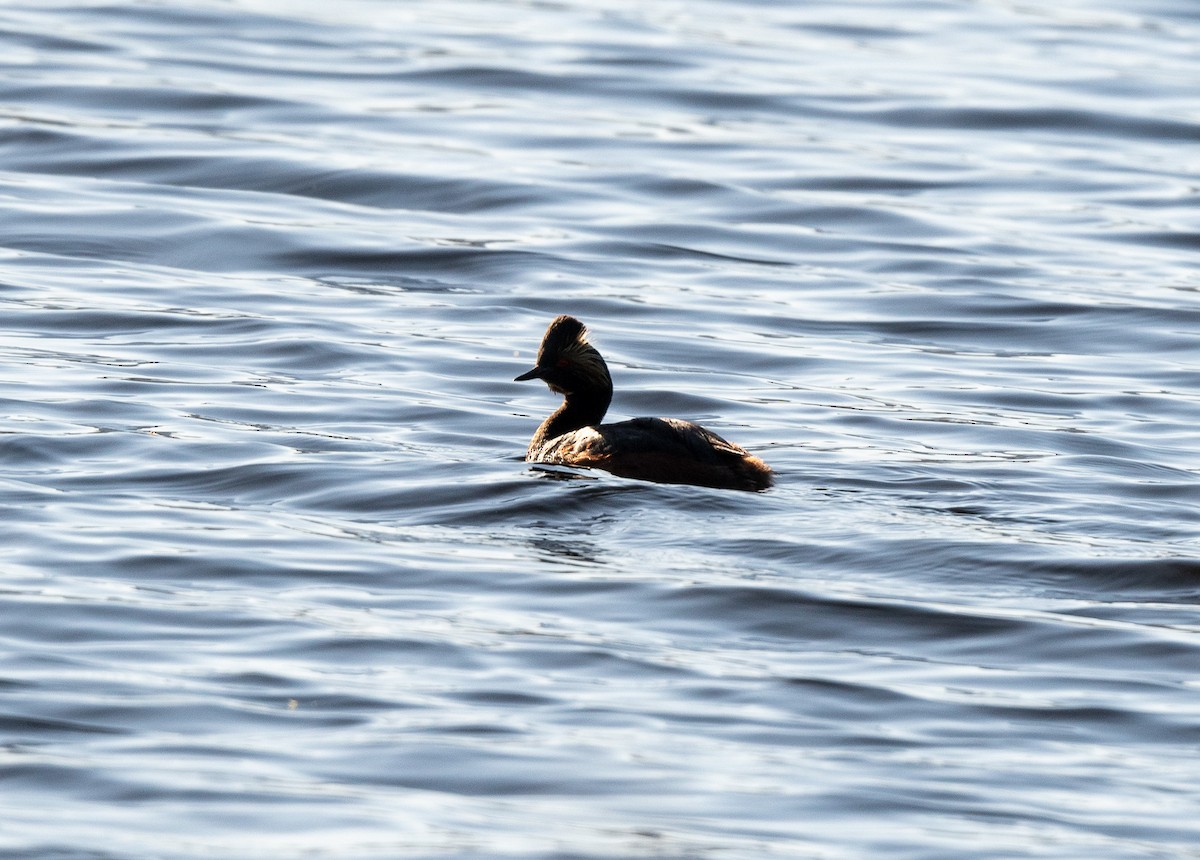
275	581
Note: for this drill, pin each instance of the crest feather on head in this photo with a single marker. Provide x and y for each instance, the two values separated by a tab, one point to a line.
565	335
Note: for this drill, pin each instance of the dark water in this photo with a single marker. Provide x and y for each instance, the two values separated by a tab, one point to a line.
276	583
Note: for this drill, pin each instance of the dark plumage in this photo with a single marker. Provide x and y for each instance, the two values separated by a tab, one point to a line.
666	450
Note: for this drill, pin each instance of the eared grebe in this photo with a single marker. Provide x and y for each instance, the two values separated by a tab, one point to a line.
666	450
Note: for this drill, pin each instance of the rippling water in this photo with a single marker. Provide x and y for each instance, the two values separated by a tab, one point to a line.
276	581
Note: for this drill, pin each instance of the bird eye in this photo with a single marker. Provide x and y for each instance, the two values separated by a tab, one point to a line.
562	362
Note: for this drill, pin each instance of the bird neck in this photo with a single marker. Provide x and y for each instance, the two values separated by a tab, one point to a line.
581	408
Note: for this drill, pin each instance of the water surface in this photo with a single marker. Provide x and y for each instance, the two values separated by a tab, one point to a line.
276	580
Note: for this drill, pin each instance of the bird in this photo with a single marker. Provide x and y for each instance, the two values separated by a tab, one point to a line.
663	450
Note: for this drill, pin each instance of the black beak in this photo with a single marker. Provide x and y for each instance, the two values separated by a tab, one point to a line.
536	373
